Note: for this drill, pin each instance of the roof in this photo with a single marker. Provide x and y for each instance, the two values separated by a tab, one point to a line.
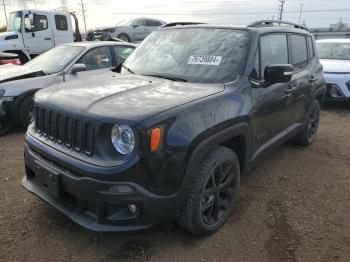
91	44
339	40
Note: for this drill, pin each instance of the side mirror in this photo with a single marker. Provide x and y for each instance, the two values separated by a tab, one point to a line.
78	68
278	73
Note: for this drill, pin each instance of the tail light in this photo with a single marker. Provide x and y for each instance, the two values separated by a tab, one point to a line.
10	61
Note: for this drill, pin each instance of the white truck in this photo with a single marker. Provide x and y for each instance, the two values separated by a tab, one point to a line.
32	32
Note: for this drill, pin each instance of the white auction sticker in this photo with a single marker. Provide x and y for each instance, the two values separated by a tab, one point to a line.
204	60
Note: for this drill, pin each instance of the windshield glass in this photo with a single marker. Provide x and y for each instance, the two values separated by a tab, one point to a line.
124	23
334	51
15	22
54	60
197	55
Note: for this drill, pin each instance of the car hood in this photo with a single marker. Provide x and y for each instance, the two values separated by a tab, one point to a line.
335	66
131	98
14	72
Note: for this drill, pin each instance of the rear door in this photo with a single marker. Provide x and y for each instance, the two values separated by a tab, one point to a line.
141	29
270	113
62	29
303	78
37	37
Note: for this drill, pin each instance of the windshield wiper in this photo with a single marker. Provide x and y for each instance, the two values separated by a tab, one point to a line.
127	69
173	78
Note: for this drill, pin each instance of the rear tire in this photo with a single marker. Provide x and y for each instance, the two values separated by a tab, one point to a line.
25	111
307	136
124	37
213	192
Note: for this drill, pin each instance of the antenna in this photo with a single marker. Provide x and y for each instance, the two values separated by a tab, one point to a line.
301	10
281	9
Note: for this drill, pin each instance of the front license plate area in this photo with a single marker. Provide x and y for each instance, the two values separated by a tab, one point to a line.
47	178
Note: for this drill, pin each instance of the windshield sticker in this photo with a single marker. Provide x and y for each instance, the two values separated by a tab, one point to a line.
204	60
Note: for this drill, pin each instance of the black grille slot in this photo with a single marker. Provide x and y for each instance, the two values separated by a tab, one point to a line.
72	132
68	126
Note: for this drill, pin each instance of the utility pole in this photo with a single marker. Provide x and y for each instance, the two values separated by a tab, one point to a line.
301	10
83	10
281	9
3	3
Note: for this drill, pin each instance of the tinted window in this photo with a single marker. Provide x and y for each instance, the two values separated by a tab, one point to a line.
153	23
41	23
196	55
122	53
61	22
97	58
298	51
274	50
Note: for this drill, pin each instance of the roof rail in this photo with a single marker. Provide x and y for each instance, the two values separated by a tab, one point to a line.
181	24
262	23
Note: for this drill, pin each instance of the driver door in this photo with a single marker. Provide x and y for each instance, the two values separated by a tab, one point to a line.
271	116
140	29
37	34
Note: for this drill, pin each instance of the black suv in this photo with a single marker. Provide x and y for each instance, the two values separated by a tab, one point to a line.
194	108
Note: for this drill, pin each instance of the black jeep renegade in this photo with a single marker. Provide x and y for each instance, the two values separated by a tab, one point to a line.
167	140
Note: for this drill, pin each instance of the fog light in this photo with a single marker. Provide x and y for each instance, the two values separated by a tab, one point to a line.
132	208
334	91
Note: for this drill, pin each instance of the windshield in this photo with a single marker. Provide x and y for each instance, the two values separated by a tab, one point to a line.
54	60
15	22
124	23
197	55
334	51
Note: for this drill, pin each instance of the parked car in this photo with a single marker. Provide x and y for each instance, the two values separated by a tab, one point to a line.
134	30
60	64
32	32
9	58
335	57
195	107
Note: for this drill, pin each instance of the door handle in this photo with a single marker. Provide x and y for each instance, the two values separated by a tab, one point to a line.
290	89
47	38
313	79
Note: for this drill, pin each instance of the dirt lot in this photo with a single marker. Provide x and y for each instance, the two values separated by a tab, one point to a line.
294	206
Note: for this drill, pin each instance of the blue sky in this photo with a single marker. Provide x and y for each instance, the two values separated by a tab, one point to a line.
109	12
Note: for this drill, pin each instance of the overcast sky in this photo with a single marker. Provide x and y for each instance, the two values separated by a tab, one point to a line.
108	12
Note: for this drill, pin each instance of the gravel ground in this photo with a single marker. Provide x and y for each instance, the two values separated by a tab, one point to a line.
293	206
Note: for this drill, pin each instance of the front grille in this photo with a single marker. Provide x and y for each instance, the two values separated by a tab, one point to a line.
71	132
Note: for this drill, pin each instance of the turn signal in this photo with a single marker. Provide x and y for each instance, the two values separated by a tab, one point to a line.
155	139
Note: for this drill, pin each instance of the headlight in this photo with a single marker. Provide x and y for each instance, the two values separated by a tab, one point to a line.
2	92
123	139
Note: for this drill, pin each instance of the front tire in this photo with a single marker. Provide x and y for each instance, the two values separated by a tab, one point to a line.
213	192
307	136
25	111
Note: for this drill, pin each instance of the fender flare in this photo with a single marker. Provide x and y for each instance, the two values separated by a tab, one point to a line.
205	146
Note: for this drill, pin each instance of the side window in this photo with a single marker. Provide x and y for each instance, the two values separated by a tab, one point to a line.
41	23
141	22
298	51
311	47
122	53
274	50
97	58
153	23
61	22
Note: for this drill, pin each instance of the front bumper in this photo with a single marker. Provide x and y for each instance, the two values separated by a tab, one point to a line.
97	205
341	81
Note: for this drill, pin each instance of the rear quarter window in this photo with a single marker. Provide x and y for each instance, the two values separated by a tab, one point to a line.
61	22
